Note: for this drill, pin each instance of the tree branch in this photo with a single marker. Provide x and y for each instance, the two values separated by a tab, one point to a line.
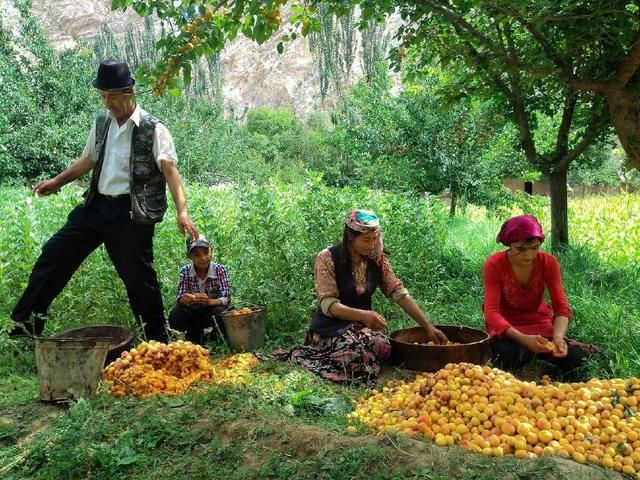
460	23
588	85
629	66
598	119
589	16
562	142
515	101
553	55
625	71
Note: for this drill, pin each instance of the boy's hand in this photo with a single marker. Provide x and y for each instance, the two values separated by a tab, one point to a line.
201	298
187	299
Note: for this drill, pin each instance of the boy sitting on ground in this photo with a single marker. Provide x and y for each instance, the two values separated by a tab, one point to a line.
204	292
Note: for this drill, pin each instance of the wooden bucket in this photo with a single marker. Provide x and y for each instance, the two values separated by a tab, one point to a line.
69	368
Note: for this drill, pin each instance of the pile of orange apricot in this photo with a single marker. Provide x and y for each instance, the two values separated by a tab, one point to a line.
155	368
240	311
489	411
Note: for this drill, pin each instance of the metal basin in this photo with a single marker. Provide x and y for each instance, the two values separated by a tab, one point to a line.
119	337
245	331
473	348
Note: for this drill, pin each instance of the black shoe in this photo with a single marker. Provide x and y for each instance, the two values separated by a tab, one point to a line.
30	328
23	330
20	330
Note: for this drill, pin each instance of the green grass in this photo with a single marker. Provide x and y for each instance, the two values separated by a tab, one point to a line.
257	431
288	424
268	236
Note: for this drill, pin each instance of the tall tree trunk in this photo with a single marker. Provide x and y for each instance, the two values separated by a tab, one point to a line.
559	208
452	204
624	110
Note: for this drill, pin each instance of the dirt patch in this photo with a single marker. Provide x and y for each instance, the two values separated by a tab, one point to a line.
296	441
391	373
304	443
18	424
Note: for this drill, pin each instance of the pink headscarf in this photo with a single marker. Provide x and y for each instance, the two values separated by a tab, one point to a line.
522	227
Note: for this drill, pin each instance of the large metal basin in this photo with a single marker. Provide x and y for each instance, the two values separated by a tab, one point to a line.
473	348
119	337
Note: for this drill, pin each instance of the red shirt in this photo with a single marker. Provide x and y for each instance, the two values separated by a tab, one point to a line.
508	304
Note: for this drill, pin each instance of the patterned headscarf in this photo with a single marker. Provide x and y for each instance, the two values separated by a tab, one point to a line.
522	227
367	221
362	221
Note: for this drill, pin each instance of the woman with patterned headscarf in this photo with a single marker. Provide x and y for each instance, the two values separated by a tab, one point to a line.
345	340
520	322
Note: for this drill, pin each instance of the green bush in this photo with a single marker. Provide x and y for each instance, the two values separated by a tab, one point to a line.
45	124
268	235
270	122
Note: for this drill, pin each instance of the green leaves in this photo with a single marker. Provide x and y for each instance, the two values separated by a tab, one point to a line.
315	402
172	402
186	73
123	4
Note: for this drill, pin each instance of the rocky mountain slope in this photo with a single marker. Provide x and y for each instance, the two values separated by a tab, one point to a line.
254	75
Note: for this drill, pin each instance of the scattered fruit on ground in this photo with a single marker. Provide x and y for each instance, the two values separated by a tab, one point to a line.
489	411
156	368
234	369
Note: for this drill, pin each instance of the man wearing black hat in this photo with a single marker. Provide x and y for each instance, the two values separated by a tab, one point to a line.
133	159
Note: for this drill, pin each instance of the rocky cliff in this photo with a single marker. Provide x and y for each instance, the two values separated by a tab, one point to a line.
254	75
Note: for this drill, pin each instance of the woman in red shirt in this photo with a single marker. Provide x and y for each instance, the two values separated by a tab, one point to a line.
520	322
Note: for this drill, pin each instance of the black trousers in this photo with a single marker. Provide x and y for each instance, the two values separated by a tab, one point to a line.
509	355
130	248
193	319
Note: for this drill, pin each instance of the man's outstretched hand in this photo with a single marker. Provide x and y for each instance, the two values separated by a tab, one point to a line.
45	187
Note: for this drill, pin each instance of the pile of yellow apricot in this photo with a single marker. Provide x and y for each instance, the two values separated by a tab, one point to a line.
489	411
240	311
155	368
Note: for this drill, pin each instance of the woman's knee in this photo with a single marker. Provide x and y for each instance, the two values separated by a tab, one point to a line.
576	357
509	355
380	345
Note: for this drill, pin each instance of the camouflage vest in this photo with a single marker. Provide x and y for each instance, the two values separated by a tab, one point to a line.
146	181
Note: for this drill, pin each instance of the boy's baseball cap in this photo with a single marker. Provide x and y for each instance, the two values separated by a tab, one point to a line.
201	241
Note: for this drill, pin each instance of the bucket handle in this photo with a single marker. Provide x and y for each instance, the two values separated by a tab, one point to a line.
224	340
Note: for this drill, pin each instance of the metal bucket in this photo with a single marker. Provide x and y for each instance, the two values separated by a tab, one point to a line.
69	368
473	348
245	331
120	338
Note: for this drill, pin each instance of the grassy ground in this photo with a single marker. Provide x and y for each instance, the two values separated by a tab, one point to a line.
287	423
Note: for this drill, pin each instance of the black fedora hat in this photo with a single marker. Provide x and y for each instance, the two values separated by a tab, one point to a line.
113	75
